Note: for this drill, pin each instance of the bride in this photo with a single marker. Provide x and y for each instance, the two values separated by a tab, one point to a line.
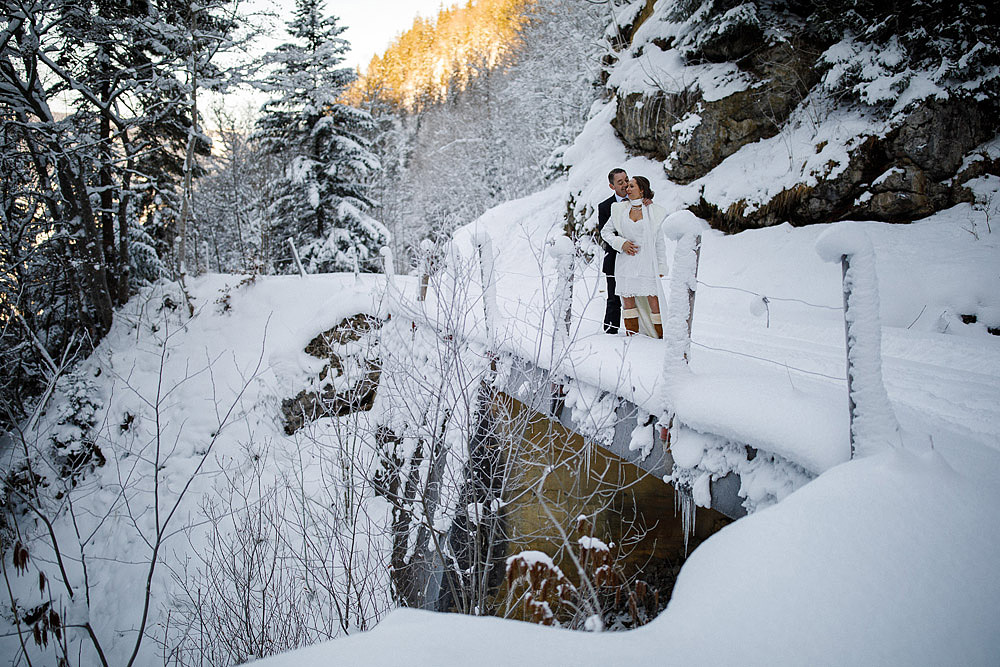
634	231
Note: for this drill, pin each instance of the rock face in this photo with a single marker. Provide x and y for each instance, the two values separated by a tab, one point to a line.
349	380
908	174
938	134
901	175
921	160
693	135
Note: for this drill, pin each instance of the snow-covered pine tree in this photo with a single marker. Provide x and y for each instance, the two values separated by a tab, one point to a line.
94	114
320	200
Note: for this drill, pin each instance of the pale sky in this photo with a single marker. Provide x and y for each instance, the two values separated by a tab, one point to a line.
372	24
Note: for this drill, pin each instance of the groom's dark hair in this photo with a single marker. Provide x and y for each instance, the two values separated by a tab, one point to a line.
611	174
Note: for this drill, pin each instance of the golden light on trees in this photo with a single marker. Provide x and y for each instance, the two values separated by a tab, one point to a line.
435	56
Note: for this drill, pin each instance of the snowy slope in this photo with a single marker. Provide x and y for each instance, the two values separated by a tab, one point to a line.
888	559
197	399
883	561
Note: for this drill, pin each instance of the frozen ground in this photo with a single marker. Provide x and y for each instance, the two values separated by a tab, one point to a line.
888	559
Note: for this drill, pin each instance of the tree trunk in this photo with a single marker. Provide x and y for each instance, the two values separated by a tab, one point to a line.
105	180
189	156
98	297
124	198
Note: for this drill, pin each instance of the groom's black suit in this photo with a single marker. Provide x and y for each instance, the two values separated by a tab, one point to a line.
613	311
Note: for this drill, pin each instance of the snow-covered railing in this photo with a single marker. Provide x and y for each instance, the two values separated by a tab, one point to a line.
686	229
426	252
295	255
484	246
715	429
564	252
352	254
873	422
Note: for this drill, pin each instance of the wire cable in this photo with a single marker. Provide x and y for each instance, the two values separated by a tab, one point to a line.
770	361
771	298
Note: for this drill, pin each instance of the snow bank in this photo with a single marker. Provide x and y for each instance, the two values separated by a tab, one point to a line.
810	429
163	377
902	572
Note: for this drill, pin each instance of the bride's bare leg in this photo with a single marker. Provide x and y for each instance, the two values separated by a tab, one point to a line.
654	308
630	316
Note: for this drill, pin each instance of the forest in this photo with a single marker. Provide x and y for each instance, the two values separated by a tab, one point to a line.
273	373
116	177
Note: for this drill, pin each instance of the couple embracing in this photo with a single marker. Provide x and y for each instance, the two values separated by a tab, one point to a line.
635	255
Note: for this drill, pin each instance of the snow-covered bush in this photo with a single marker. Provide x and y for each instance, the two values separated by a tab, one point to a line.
74	439
603	598
286	559
434	389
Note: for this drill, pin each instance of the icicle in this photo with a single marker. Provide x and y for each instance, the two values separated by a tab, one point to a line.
684	499
590	458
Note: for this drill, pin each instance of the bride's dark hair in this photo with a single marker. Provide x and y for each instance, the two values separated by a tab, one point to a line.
643	183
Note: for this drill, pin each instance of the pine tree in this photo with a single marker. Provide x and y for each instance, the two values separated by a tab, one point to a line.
81	183
320	200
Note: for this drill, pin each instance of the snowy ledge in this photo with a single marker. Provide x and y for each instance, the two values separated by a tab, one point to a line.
810	429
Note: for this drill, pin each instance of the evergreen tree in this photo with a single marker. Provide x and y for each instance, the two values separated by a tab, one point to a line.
320	200
81	181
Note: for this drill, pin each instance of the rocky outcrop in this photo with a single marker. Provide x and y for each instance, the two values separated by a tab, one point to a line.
908	174
937	135
692	135
622	36
902	193
900	174
920	171
355	370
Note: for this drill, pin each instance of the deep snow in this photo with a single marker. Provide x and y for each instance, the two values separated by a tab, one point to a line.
886	559
890	559
882	561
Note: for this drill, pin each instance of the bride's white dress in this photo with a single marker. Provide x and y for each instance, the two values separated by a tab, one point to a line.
637	275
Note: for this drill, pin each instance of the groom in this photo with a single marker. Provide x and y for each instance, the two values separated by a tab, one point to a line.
617	181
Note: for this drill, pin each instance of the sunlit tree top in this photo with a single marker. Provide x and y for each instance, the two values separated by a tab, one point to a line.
442	54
